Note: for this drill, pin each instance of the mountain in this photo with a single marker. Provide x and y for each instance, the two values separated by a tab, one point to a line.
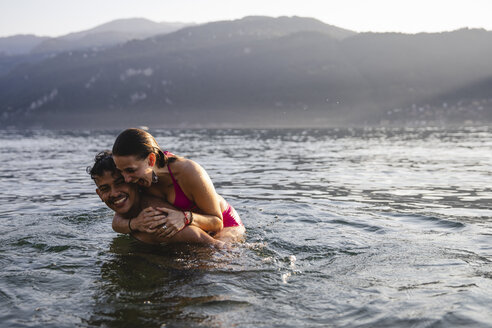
472	102
411	76
16	49
19	44
107	35
256	71
28	49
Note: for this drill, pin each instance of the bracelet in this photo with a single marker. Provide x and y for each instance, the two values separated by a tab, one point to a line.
130	227
187	221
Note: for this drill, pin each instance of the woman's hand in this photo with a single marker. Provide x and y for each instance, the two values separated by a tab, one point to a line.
175	222
148	220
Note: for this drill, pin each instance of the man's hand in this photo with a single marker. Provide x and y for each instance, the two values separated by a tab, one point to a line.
148	220
175	222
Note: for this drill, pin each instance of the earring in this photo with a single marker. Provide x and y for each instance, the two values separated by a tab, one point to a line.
155	178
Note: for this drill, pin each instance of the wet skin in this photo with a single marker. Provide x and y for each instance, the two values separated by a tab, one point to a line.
192	178
193	181
126	200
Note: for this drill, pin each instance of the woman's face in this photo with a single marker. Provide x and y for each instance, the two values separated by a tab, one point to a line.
135	170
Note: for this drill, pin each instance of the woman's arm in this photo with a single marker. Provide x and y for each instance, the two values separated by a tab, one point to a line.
197	183
147	221
202	221
175	222
194	235
190	235
207	222
198	187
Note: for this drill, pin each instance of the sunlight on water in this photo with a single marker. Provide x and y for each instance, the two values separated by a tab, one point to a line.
345	227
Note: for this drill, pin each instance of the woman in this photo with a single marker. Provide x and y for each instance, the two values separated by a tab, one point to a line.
180	181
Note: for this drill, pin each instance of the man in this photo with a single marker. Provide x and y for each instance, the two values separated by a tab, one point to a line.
142	220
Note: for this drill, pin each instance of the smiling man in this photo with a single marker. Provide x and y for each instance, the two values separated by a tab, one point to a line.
142	218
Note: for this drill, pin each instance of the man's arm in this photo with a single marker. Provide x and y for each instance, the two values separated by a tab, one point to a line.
120	224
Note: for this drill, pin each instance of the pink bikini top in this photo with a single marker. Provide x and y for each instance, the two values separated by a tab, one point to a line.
230	216
180	201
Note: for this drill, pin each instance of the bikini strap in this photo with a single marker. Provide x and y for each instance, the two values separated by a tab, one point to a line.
171	173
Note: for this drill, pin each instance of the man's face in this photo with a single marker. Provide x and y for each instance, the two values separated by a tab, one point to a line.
115	192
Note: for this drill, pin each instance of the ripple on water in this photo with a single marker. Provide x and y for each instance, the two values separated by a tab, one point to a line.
429	222
345	227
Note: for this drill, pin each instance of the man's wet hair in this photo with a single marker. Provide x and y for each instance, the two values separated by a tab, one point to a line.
102	162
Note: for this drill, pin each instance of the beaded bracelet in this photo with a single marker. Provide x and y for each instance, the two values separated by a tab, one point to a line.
186	220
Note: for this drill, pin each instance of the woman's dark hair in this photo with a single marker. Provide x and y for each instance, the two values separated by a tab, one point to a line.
102	162
139	143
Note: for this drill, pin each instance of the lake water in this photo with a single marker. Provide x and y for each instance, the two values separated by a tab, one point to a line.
345	228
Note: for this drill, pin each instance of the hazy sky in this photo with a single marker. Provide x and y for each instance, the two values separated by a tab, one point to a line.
58	17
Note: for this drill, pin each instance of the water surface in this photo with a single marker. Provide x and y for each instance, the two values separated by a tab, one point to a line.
346	228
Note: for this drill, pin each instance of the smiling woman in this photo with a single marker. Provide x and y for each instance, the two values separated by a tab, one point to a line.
180	181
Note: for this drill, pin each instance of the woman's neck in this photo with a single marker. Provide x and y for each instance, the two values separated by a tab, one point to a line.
163	176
